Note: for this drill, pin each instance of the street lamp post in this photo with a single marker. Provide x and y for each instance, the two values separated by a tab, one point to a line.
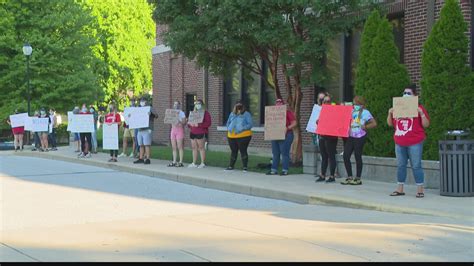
27	50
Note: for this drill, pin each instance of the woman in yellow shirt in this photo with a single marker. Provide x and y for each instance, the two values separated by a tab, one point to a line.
239	134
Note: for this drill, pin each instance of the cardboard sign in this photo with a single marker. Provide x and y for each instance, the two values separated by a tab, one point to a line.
334	120
195	117
18	120
405	106
172	116
80	123
137	117
311	127
39	124
275	122
110	139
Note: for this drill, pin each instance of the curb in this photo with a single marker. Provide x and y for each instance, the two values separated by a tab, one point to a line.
250	190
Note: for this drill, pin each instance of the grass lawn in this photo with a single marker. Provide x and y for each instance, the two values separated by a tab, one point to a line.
213	158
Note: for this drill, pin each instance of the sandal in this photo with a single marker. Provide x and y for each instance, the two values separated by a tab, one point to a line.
420	195
396	193
171	164
180	165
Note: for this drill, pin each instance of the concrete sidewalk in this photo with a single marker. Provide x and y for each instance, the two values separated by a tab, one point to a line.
371	195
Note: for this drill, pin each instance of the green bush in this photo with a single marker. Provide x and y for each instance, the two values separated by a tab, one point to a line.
380	77
447	81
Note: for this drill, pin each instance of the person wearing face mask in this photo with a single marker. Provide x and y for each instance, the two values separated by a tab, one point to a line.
128	134
144	136
361	120
17	135
409	136
327	149
77	136
86	137
282	147
239	134
53	126
112	118
177	137
197	135
94	134
44	134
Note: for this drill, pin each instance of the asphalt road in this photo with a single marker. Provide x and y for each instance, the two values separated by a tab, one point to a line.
58	211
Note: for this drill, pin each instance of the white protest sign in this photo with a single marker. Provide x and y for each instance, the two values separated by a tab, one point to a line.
195	117
275	122
29	123
69	120
18	120
126	112
110	137
311	127
138	117
171	116
40	124
81	123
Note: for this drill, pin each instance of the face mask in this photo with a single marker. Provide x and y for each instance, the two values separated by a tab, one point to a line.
91	110
142	104
43	112
198	106
356	108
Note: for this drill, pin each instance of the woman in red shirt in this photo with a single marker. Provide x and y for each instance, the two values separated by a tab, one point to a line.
17	135
197	135
112	118
409	137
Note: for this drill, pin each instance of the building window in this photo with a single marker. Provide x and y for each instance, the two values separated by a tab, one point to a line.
190	99
334	70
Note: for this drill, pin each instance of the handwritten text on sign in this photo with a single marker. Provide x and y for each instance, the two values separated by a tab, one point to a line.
405	106
110	137
39	124
275	122
171	116
81	123
196	117
18	120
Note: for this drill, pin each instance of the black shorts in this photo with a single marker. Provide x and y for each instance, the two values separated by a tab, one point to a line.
196	136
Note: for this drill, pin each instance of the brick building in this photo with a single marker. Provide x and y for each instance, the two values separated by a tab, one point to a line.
175	77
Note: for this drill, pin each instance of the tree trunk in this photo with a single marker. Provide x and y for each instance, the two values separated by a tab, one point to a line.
297	146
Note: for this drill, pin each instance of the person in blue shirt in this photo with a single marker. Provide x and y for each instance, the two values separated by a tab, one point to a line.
239	134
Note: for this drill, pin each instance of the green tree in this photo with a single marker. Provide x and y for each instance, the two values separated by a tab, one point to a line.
289	36
385	78
124	31
447	81
60	65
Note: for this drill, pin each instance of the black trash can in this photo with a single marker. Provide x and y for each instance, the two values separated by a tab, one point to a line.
456	162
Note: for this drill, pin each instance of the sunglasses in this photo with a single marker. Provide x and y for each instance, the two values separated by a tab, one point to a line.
407	93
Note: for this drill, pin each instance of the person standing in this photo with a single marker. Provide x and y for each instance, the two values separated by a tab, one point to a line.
112	118
144	136
77	136
239	134
327	148
197	135
86	137
409	135
94	133
53	126
17	135
44	134
177	137
127	134
361	120
282	147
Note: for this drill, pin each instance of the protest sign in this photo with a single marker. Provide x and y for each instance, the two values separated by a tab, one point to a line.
137	117
171	116
40	124
29	123
334	120
275	122
195	117
18	120
110	137
311	127
81	123
405	106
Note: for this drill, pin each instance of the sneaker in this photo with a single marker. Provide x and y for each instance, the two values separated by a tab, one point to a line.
139	161
192	165
244	170
111	160
284	173
355	182
271	173
320	179
122	155
131	155
347	181
229	168
201	165
171	164
80	155
331	179
147	161
54	149
88	155
179	165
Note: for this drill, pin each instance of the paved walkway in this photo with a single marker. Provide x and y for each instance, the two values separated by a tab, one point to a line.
371	195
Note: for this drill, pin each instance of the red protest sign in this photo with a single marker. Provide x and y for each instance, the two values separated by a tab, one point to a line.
334	120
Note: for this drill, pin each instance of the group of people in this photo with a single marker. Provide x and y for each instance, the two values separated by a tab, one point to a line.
409	135
43	140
